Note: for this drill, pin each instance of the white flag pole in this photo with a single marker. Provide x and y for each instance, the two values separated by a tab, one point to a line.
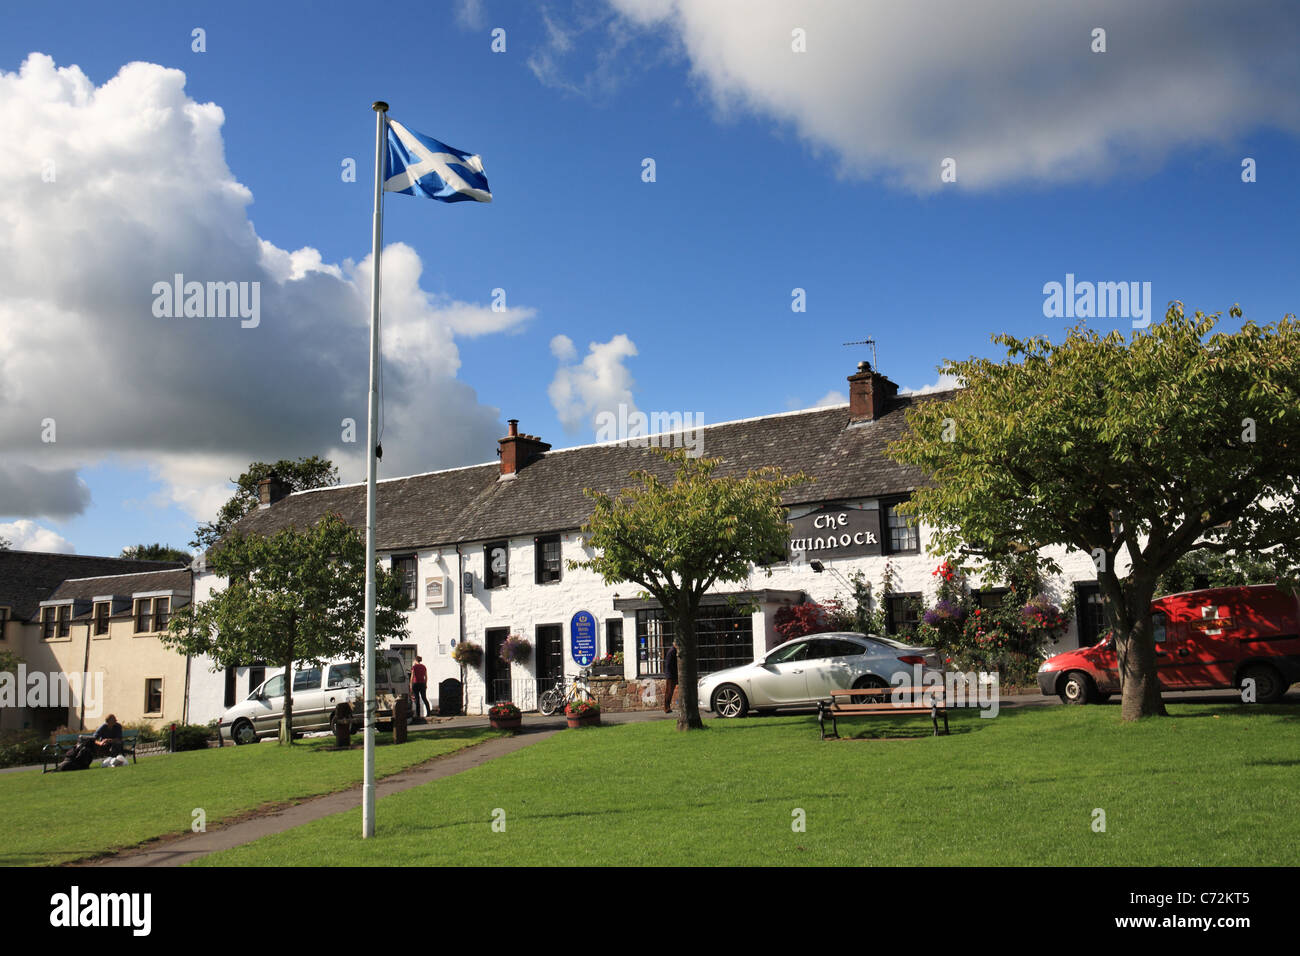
372	429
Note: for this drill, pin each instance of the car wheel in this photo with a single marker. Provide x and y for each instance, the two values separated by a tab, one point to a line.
1269	688
867	681
243	732
729	701
1076	688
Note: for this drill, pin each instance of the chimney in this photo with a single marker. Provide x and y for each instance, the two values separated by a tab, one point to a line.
518	450
869	393
270	490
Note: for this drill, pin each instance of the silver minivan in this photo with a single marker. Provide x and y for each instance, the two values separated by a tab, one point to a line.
323	694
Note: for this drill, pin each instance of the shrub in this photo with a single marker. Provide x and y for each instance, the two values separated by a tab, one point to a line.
19	748
192	736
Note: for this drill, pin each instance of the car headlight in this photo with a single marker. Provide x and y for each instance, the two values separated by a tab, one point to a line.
1047	666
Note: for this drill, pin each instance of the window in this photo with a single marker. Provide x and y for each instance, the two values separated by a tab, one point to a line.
274	687
990	598
828	647
230	686
496	565
788	655
256	674
65	620
901	535
153	695
614	636
725	636
904	613
101	620
1159	624
4	619
307	680
547	555
407	570
1090	613
48	620
345	675
162	610
143	615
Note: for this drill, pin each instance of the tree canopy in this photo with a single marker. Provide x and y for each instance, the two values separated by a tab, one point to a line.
293	597
300	475
155	552
677	539
1133	451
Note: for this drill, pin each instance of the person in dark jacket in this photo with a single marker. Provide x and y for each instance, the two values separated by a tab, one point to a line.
108	738
670	671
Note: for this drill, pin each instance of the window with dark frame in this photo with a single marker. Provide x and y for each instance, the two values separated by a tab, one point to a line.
162	609
614	635
406	567
65	620
546	552
990	599
904	613
153	695
101	618
143	615
901	533
230	686
724	635
496	565
48	621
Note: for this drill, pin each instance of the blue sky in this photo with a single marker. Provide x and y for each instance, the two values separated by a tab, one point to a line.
774	170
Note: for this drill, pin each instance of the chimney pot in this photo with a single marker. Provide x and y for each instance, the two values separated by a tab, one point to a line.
517	450
514	427
869	394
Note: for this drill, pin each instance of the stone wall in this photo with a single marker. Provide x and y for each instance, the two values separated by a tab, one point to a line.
619	695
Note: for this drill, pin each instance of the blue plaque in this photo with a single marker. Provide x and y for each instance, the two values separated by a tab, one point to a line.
582	638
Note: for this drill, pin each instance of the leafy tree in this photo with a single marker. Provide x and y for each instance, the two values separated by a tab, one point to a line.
300	475
156	552
9	662
678	539
1135	452
294	597
1208	569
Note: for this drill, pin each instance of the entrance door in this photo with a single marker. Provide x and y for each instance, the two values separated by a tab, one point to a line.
550	656
1090	613
496	673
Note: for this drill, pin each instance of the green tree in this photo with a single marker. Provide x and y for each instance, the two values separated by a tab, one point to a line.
1134	452
300	475
293	597
9	662
678	539
1209	569
156	552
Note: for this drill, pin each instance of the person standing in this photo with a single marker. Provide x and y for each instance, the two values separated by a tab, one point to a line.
419	685
670	671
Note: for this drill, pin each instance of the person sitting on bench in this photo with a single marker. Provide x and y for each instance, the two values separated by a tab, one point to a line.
109	737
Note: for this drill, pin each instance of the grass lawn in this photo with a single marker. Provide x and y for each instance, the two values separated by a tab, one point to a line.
58	817
1214	786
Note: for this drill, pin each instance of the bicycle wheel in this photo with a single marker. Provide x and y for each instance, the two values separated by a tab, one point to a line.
547	703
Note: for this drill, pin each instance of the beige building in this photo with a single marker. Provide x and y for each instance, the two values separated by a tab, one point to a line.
89	646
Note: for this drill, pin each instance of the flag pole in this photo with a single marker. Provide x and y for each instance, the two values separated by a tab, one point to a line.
372	428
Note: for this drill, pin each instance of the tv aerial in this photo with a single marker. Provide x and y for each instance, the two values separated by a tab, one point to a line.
868	341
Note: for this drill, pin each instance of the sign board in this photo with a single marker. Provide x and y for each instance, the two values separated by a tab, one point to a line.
582	638
836	531
435	591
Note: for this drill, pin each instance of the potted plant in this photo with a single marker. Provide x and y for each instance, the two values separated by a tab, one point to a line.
467	654
582	713
611	665
516	649
505	716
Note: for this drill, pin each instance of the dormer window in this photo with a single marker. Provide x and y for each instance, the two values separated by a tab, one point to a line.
102	610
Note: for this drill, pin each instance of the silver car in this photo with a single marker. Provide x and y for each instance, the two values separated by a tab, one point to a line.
801	672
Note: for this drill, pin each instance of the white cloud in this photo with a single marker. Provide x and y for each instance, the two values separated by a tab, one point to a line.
600	382
25	535
196	399
470	14
1010	89
944	383
833	397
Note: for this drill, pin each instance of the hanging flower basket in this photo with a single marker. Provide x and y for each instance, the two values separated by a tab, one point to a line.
467	654
516	650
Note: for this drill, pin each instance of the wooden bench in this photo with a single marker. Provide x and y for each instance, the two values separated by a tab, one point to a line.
55	752
884	700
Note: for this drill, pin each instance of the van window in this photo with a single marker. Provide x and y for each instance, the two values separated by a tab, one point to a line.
345	675
307	680
274	687
1158	622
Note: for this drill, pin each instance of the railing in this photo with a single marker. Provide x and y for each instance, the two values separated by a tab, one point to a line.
522	692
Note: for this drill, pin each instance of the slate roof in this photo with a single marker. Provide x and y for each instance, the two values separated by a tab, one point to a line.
125	585
473	504
29	577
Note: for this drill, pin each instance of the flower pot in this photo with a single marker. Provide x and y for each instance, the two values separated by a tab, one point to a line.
586	720
607	670
506	723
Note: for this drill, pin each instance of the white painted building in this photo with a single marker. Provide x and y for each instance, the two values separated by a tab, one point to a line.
485	550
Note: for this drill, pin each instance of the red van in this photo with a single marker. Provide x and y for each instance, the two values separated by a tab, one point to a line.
1208	639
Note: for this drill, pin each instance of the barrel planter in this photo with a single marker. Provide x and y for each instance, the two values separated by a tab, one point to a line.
586	720
506	723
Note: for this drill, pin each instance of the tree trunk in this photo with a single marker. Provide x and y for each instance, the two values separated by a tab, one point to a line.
1128	610
286	719
688	688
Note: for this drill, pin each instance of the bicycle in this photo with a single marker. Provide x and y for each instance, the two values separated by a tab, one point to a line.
565	691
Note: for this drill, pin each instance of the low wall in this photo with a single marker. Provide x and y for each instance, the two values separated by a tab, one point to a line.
619	695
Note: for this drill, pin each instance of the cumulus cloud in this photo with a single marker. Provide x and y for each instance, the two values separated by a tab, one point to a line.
470	14
944	383
25	535
600	382
31	491
93	220
1010	89
833	397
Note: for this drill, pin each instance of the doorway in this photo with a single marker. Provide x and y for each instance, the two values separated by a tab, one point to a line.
496	672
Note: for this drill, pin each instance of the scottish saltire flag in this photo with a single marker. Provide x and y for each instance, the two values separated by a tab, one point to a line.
419	165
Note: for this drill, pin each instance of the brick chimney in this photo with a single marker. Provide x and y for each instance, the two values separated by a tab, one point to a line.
518	450
869	393
270	490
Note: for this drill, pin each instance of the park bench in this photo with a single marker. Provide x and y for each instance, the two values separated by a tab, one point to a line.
55	752
864	702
